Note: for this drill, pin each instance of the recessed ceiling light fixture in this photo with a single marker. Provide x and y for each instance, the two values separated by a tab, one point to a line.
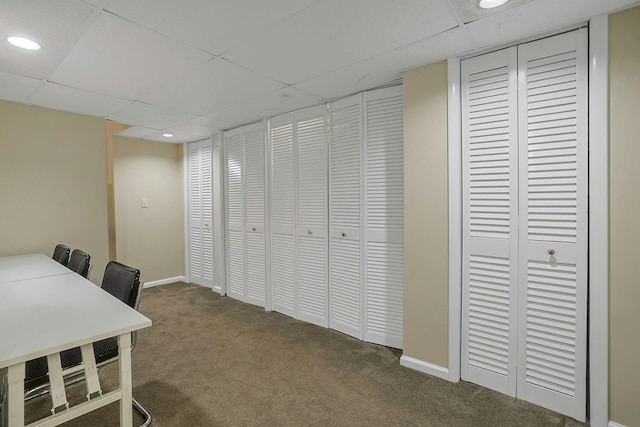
23	43
167	135
490	4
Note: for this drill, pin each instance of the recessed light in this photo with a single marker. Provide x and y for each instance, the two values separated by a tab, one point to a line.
23	43
490	4
167	135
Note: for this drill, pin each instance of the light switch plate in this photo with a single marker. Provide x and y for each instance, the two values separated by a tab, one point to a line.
145	202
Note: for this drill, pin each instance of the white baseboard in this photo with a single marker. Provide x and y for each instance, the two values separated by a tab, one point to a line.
612	424
426	367
165	281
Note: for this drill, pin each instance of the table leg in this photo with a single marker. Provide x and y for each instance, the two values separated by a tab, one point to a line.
15	395
126	410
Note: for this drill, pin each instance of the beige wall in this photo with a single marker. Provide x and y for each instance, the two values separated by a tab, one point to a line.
624	209
52	183
151	239
426	286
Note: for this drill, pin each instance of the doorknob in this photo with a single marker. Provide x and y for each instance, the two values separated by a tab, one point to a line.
551	251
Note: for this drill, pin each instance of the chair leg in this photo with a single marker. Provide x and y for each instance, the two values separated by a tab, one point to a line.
143	412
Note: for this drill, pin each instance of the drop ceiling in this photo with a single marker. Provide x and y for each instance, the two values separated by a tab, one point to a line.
193	67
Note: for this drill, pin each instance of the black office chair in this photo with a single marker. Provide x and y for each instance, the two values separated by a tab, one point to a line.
79	262
121	281
61	254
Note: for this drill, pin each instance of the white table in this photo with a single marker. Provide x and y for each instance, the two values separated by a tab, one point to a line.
42	316
30	266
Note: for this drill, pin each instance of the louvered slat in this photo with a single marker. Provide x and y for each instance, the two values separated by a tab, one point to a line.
255	269
195	242
346	147
488	140
312	172
345	305
489	313
312	280
233	178
558	299
283	274
254	176
552	141
384	289
235	264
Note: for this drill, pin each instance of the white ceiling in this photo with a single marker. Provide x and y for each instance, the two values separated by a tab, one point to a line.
192	67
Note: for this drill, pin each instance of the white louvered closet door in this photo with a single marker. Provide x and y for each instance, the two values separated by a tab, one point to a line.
234	212
553	223
384	216
254	189
345	217
200	213
283	208
312	231
525	221
490	209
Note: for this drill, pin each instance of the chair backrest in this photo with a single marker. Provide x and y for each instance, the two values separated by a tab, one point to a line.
79	262
123	282
61	253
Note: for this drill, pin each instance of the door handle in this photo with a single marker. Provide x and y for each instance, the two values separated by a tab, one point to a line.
551	252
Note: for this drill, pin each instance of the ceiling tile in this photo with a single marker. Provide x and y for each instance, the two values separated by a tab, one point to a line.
53	24
470	11
118	58
140	114
16	88
136	132
213	26
214	85
538	17
387	67
66	98
193	130
277	102
331	34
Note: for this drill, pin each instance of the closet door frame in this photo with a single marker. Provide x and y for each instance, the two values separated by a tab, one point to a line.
598	317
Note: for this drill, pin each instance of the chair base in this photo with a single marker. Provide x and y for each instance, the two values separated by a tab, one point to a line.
143	412
32	394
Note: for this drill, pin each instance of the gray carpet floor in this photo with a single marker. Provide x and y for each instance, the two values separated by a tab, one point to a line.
214	361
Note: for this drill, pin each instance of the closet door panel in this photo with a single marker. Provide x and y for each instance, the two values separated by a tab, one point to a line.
283	205
207	212
490	204
553	222
200	188
345	195
384	216
311	149
234	183
195	211
254	189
